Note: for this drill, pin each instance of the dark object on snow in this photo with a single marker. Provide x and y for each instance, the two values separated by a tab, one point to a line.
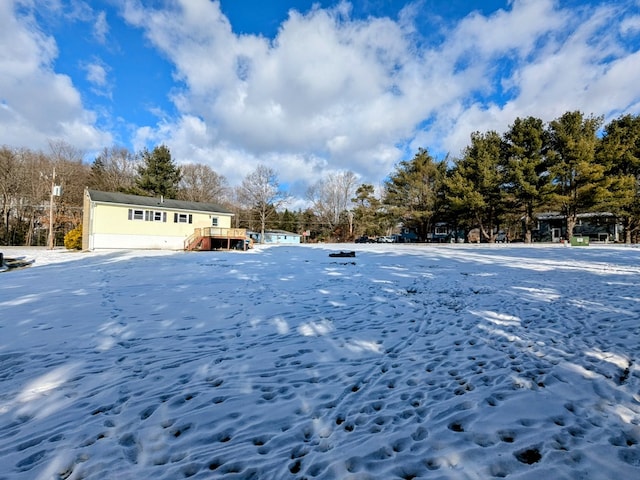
343	254
11	263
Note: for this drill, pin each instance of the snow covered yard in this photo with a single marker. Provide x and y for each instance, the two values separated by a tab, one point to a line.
407	361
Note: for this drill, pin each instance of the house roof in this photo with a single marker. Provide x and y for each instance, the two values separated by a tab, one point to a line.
155	202
561	216
274	232
281	232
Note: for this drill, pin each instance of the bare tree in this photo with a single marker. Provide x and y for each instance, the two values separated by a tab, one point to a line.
61	150
331	198
68	171
30	201
200	183
260	190
114	170
9	189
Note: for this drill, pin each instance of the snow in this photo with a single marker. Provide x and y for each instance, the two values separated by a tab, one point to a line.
407	361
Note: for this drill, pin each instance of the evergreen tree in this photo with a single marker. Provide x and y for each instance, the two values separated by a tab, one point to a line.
413	192
308	221
619	152
366	213
288	221
158	174
580	183
475	185
528	184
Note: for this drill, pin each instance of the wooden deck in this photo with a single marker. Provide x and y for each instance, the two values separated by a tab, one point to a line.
216	238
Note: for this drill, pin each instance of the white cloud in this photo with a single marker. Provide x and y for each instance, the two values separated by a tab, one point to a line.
325	86
96	73
572	60
352	92
38	104
101	28
332	92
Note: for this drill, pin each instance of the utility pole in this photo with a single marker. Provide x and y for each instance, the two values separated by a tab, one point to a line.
51	205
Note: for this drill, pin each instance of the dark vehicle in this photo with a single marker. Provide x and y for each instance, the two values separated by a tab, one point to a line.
365	239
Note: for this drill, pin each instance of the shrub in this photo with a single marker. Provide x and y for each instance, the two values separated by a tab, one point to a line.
73	239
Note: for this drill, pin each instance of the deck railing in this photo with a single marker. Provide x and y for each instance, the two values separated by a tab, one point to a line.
215	232
220	232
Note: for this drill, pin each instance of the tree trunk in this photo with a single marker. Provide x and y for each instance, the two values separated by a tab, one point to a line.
483	231
572	220
528	224
7	231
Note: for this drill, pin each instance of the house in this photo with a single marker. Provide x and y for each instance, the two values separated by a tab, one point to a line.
118	220
276	236
407	235
444	232
597	226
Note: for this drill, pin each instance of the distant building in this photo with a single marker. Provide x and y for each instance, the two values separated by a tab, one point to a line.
276	236
118	220
597	226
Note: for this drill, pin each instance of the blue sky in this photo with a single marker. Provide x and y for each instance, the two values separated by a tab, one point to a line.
308	88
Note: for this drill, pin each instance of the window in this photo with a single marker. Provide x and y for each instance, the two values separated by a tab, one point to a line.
148	215
214	221
136	214
182	218
441	230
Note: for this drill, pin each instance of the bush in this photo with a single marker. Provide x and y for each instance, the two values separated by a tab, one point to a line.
73	239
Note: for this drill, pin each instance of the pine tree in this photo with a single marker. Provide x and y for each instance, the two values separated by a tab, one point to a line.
528	185
288	221
158	175
366	213
619	152
413	192
580	183
474	187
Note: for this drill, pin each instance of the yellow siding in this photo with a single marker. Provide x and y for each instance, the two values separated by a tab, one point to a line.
107	225
86	221
114	219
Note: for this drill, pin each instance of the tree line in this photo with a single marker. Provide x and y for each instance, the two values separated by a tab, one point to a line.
573	164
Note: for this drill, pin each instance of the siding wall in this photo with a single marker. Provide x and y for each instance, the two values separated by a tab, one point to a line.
108	226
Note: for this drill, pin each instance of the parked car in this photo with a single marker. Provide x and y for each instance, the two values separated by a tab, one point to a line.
502	237
364	239
386	239
474	235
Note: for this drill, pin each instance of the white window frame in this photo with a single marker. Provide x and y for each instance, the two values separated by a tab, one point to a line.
135	214
182	218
